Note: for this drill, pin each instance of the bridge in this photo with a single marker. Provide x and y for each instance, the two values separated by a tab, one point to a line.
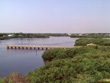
36	47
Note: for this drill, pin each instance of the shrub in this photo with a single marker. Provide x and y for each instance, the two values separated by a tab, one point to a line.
16	78
97	41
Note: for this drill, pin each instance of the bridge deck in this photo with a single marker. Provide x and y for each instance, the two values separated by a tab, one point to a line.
36	46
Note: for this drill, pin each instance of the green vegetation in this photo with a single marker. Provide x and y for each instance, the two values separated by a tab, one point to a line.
29	35
97	41
21	35
91	35
3	36
15	78
24	35
74	65
85	64
46	35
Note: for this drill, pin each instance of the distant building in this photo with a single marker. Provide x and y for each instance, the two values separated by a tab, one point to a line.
80	34
91	44
9	35
69	34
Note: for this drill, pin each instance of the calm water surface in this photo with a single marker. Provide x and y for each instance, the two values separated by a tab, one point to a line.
24	61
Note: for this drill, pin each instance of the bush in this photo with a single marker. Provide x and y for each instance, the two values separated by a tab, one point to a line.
15	78
79	65
97	41
60	53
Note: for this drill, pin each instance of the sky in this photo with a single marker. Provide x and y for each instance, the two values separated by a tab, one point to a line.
55	16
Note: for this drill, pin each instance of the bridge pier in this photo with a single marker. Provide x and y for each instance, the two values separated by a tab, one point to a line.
36	47
8	47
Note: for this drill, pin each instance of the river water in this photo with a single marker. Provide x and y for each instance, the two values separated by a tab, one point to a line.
24	61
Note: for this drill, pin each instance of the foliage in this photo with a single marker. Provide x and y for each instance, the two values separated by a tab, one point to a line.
22	35
4	37
78	65
15	78
29	35
60	53
97	41
85	64
91	35
1	81
52	53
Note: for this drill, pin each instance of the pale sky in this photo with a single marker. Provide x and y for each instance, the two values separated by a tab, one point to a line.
55	16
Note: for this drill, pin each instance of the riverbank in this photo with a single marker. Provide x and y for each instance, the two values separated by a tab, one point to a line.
24	61
47	35
29	35
90	35
97	41
82	64
78	65
21	35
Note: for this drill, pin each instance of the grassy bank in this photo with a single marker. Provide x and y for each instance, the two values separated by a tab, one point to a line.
21	35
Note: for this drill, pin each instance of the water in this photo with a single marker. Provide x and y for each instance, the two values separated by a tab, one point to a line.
24	61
